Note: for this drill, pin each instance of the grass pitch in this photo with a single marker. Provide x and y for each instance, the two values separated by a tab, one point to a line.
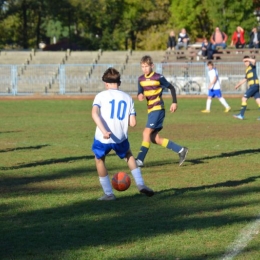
49	185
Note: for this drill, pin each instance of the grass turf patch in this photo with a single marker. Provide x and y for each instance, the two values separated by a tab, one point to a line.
49	185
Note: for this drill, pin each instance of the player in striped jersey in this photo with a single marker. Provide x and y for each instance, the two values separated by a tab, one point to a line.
151	86
253	86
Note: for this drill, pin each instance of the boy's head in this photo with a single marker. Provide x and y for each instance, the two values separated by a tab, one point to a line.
210	65
246	61
147	64
111	75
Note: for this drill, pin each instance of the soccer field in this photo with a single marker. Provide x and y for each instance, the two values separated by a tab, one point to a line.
206	209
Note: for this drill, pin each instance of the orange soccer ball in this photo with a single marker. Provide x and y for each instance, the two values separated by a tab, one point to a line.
121	181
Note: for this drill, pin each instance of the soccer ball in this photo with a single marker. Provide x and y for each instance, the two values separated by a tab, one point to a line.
121	181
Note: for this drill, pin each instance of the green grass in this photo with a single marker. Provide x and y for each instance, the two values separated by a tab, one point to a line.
49	185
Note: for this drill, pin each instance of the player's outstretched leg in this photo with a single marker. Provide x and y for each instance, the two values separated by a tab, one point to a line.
242	111
137	175
225	104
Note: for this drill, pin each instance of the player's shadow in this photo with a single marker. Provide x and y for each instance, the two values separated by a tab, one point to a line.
23	148
202	159
233	183
224	155
10	132
50	161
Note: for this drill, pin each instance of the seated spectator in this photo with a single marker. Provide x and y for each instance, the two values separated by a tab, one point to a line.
206	50
218	39
171	41
254	38
183	39
238	38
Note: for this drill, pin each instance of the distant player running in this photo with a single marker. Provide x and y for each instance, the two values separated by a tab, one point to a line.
113	110
214	89
150	86
253	86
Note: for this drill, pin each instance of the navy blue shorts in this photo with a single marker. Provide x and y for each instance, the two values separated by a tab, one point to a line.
253	91
155	119
214	93
100	149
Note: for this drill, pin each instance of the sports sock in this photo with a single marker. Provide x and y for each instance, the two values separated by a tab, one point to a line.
137	176
106	185
243	109
224	102
143	151
171	145
208	104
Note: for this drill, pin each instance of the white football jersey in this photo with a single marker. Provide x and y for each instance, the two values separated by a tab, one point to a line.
212	74
115	108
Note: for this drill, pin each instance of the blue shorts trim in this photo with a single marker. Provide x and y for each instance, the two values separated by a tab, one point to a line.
100	149
253	91
214	93
155	119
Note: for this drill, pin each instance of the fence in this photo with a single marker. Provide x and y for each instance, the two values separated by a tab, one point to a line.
75	79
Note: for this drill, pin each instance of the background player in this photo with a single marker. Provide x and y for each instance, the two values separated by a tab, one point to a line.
253	86
113	110
150	86
214	89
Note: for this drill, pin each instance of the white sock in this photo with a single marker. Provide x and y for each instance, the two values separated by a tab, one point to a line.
208	104
223	102
106	185
137	176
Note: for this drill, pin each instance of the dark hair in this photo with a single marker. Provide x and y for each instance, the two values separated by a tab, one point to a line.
111	75
246	57
210	63
147	59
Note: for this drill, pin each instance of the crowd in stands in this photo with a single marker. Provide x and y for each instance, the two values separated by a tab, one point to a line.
217	40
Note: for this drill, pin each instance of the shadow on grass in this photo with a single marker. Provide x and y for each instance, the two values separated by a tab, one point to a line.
233	183
48	233
24	148
51	161
201	160
10	132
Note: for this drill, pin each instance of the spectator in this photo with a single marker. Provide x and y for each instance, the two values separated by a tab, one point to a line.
218	39
238	38
254	39
171	41
206	50
183	39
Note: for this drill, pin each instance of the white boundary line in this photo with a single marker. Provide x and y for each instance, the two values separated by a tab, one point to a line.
245	236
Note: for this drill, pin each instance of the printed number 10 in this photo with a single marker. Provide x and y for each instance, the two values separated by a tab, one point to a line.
121	109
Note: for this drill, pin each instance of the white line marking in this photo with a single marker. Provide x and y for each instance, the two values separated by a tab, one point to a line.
245	236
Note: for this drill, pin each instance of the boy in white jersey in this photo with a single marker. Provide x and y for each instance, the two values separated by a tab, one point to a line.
214	89
113	110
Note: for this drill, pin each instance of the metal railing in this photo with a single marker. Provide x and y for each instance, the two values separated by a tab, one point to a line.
85	79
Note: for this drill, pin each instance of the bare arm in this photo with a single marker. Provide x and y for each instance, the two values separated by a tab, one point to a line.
132	120
251	60
97	120
240	83
212	83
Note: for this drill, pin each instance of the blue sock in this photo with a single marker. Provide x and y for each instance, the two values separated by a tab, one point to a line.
174	147
243	109
143	151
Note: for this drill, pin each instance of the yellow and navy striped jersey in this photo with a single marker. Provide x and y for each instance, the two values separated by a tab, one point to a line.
251	75
151	86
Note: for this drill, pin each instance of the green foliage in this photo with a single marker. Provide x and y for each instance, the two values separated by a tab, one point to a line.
117	24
